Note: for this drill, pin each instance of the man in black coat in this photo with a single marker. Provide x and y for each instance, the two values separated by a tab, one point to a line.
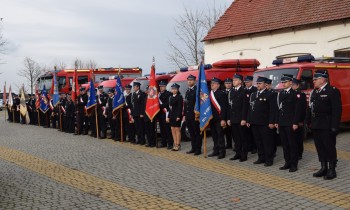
228	130
101	100
138	101
61	104
287	121
248	82
324	114
189	116
16	108
83	120
165	130
109	113
219	105
237	118
68	115
130	123
261	117
33	114
301	129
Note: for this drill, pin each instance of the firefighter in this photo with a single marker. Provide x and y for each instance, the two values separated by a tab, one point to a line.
130	123
165	130
82	119
138	98
324	114
101	100
228	132
248	82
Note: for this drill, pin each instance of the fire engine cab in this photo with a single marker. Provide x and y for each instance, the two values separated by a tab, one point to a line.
303	67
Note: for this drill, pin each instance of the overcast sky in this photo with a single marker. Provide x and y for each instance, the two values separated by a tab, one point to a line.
112	33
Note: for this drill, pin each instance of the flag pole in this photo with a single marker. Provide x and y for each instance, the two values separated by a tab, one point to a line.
121	125
38	117
205	144
96	119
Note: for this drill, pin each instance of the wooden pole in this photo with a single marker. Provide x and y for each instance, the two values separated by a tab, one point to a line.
205	144
38	117
121	125
96	118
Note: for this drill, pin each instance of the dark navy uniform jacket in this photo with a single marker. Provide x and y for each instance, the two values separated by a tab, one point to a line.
190	102
325	108
289	108
262	109
238	105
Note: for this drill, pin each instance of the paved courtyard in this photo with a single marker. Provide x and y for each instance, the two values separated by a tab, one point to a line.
47	169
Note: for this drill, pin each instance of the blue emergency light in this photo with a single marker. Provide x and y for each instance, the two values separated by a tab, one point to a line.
299	59
206	67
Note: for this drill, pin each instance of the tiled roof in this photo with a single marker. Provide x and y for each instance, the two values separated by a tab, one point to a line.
253	16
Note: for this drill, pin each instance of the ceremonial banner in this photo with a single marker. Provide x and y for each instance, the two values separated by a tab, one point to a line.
152	104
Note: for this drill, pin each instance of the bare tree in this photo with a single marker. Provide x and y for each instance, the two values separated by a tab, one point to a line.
60	65
190	29
91	64
78	63
30	72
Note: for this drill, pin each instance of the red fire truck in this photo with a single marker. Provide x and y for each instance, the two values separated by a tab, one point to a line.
302	67
65	77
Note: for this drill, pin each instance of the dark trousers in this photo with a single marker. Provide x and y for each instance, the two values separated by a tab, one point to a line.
140	129
165	132
92	122
263	137
217	133
54	120
196	138
69	124
102	127
151	132
130	130
228	136
289	145
117	130
112	124
239	138
300	140
325	142
10	115
17	116
83	122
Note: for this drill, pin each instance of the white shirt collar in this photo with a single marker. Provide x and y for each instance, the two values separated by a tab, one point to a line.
323	86
237	88
287	90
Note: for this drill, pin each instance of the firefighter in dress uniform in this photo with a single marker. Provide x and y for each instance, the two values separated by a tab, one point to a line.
301	129
324	115
237	118
130	123
248	82
101	100
261	118
219	103
287	121
82	119
165	130
228	131
189	116
138	98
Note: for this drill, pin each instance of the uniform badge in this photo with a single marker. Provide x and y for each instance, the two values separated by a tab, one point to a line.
323	96
261	99
298	95
264	99
247	95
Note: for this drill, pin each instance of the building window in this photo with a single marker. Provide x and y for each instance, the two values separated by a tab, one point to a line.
342	53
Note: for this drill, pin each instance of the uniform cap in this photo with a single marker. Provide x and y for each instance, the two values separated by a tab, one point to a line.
214	79
137	84
111	90
175	86
82	89
286	77
238	76
295	81
228	80
320	73
128	86
248	79
100	87
261	79
191	77
268	81
162	83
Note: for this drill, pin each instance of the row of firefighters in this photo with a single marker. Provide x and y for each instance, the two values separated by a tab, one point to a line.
246	118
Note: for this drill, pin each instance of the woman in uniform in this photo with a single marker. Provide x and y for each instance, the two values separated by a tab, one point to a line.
175	115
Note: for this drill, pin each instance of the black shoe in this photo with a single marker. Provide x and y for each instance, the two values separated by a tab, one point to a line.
254	151
221	156
331	174
242	159
190	152
151	145
213	154
285	167
162	145
259	162
323	171
236	157
197	153
170	147
300	157
293	168
267	164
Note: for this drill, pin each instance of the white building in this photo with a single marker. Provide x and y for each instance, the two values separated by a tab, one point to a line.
265	29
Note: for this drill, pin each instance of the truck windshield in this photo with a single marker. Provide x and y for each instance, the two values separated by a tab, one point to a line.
275	75
47	81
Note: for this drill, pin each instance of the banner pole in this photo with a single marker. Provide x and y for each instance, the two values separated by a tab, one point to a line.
96	119
121	125
38	117
205	144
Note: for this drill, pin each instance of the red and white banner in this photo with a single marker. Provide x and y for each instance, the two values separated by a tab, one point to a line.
152	104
